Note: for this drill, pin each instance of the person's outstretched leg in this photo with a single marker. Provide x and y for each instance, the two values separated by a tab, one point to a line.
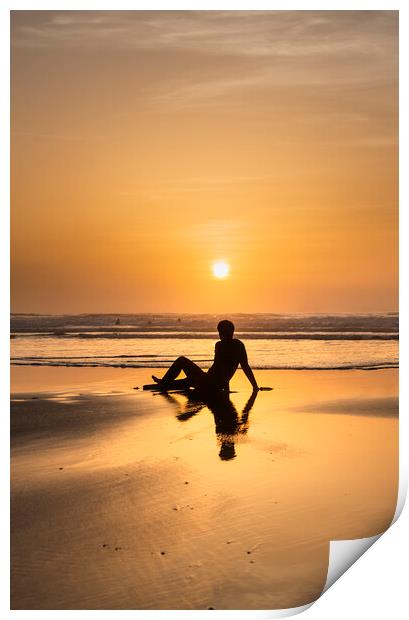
194	374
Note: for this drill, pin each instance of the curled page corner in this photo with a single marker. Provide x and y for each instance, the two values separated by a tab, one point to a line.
292	611
344	553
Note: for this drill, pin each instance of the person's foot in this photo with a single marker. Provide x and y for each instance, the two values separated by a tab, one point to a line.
156	379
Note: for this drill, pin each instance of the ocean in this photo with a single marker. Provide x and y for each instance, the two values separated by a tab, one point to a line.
273	341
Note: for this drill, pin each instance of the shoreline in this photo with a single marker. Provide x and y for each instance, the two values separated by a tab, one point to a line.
28	378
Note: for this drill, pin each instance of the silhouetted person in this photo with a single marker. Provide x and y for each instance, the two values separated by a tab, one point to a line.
228	354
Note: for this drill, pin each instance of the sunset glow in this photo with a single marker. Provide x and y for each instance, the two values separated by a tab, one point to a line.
154	138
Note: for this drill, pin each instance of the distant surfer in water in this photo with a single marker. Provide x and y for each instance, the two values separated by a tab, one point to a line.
229	353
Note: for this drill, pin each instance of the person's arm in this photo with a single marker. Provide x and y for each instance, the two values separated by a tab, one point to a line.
249	405
246	368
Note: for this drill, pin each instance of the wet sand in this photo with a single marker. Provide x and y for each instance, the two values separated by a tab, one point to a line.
123	499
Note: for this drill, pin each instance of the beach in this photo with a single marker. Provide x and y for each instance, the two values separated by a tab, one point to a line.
200	191
125	499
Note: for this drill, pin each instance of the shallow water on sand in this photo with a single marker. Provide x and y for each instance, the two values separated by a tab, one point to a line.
273	341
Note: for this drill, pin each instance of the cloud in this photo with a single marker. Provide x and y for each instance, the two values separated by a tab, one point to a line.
243	33
48	136
248	50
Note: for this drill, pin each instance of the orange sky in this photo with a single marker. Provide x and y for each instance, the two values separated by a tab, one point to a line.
146	145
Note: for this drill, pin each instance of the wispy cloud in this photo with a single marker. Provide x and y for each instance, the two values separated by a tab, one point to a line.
218	233
248	33
192	185
249	50
48	136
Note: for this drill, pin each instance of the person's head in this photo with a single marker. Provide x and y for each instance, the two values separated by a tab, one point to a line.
226	330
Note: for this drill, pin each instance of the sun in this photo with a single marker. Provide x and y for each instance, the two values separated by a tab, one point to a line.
220	269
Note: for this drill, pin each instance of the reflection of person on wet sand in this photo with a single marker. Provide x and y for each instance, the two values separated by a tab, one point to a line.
228	423
228	355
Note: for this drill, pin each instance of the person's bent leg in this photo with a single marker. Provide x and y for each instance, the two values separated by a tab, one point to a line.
193	372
